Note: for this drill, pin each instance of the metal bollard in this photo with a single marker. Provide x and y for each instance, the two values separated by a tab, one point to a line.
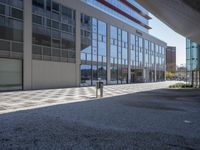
99	87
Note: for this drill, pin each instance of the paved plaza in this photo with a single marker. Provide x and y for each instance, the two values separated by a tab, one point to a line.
19	100
129	117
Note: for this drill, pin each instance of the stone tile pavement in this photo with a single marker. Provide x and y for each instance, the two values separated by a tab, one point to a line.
20	100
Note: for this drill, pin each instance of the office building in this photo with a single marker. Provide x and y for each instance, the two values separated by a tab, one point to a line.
183	17
192	62
65	43
171	59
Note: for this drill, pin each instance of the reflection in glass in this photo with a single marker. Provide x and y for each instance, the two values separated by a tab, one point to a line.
86	75
94	47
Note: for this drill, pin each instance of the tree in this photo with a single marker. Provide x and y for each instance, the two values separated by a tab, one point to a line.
169	75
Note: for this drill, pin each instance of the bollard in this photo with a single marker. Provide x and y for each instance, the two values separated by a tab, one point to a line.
99	87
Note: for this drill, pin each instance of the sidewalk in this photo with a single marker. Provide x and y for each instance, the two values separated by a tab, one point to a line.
21	100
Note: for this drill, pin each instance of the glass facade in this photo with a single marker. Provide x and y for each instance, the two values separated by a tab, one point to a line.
53	31
143	56
192	62
11	29
124	8
147	59
118	55
11	44
93	50
109	52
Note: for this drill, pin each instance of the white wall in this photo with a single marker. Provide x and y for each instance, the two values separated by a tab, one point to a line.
47	74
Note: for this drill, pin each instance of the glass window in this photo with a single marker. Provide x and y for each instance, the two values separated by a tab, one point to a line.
11	29
187	43
56	52
17	47
37	19
39	3
86	72
15	3
67	28
5	45
55	43
63	42
163	50
55	6
146	44
67	43
55	24
37	50
16	13
113	32
56	34
47	51
71	54
156	48
152	47
140	42
74	15
2	9
132	39
86	20
41	36
48	5
124	36
55	15
48	22
101	28
67	12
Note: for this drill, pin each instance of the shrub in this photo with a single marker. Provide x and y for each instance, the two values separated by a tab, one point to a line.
181	85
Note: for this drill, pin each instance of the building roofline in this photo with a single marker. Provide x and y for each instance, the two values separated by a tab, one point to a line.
123	13
125	2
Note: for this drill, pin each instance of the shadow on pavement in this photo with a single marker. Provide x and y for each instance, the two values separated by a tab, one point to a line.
144	120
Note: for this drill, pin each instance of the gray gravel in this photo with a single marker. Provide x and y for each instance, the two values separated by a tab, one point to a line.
160	119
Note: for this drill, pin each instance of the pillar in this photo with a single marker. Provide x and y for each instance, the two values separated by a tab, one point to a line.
27	61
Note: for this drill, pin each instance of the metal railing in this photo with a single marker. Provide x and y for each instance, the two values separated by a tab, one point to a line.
9	49
46	53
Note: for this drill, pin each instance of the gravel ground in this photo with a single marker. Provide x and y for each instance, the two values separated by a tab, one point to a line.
55	134
160	119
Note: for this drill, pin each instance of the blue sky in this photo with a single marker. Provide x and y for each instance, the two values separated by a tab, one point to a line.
163	32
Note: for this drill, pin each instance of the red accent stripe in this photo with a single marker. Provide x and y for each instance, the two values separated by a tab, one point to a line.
135	9
123	13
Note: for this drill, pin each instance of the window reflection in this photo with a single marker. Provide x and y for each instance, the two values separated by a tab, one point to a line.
94	47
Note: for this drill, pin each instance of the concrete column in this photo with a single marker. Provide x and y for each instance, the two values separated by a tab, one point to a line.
108	53
27	62
129	57
143	60
78	46
143	74
165	64
155	74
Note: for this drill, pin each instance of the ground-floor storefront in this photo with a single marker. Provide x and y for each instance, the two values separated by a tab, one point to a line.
54	75
118	75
